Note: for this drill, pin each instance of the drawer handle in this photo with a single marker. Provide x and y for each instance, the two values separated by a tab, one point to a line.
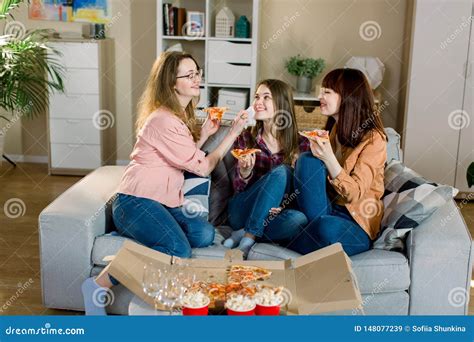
74	145
240	64
73	121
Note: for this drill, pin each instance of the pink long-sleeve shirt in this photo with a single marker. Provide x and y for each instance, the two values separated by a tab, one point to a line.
164	149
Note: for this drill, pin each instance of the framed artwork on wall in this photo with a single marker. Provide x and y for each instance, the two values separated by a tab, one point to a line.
93	11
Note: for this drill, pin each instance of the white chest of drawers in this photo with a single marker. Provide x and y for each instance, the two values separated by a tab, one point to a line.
81	121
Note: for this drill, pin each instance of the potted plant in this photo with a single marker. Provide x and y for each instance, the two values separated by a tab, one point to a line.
29	69
306	69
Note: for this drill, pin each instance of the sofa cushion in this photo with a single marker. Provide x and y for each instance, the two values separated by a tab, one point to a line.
109	244
408	200
393	144
377	271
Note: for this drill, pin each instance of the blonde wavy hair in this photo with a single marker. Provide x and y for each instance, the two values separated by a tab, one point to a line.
160	91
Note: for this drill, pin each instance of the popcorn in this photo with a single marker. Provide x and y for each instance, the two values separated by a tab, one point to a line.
240	303
269	297
195	300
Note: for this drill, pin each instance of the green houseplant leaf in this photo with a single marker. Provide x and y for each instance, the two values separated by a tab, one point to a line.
308	67
28	70
7	5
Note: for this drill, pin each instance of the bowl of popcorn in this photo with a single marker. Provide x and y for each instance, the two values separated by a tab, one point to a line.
195	304
268	301
240	305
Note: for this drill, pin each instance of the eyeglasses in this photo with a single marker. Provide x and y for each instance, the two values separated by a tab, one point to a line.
192	76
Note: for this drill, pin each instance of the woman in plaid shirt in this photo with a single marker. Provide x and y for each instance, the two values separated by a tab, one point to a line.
263	181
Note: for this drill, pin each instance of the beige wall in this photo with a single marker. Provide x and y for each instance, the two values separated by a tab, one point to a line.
330	29
314	28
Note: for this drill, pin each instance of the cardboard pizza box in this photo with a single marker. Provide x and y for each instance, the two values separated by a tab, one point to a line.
321	281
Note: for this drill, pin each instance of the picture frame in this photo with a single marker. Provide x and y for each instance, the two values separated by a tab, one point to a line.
195	23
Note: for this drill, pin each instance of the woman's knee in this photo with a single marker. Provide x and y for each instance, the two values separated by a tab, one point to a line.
307	159
200	234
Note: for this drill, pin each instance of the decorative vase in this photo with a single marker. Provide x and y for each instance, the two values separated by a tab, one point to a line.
303	84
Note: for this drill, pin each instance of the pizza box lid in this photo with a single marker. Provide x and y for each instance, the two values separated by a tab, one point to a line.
321	281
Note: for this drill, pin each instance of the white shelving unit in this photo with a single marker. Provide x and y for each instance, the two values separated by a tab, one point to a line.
227	62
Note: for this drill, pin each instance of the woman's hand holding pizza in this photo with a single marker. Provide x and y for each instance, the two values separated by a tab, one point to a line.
321	148
239	123
210	127
246	165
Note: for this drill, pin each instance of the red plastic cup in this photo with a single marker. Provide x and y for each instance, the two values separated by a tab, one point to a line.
231	312
203	311
266	310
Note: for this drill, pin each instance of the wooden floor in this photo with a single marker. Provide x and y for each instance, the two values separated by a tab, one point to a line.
20	284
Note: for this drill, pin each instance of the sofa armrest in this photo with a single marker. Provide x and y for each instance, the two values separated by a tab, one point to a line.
439	252
67	230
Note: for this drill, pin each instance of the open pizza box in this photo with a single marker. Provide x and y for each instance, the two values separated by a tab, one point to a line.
319	282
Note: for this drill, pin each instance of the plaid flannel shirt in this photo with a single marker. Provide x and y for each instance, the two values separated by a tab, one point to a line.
264	161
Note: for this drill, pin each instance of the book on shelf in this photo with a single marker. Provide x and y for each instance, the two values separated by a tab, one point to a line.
174	18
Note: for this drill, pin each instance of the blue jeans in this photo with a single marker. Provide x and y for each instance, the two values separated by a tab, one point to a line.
168	230
249	209
328	223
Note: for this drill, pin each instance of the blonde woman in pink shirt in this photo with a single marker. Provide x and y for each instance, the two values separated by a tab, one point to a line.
149	205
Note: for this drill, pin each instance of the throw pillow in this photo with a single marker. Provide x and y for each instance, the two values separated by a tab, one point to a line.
409	199
196	191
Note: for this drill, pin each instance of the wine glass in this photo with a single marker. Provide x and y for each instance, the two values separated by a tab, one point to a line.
170	292
151	281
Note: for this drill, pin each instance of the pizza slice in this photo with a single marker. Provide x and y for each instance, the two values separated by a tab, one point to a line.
241	153
240	289
244	274
311	135
216	113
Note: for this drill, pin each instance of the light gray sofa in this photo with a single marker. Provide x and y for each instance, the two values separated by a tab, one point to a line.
433	278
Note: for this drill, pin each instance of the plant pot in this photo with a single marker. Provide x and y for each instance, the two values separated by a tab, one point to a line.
303	84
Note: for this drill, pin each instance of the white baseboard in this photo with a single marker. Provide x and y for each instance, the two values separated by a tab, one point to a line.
21	158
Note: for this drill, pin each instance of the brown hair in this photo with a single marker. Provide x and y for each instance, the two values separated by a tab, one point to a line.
160	91
357	113
284	119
